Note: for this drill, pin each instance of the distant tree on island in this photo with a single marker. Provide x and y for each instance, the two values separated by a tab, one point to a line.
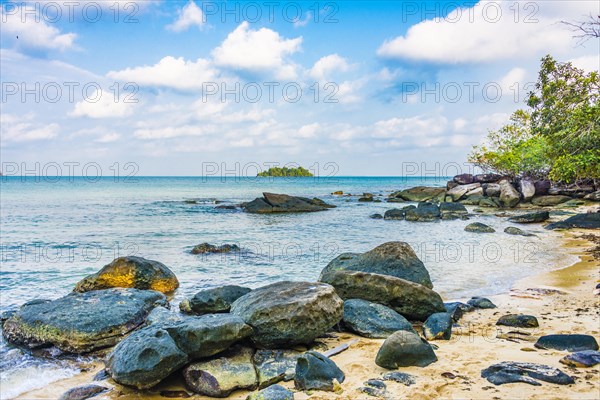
285	171
557	137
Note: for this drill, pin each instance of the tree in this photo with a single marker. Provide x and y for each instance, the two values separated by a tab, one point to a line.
585	30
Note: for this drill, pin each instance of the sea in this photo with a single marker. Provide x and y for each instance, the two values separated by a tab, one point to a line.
56	230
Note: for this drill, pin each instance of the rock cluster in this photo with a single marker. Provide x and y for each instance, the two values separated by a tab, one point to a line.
282	203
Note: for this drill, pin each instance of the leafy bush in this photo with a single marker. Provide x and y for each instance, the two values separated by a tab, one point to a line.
285	171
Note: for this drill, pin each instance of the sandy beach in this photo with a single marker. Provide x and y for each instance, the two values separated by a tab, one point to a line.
563	300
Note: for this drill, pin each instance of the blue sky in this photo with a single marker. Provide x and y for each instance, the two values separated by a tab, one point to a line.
413	82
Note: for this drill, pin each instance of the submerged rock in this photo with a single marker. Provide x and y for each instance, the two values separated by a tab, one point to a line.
205	248
438	326
394	214
518	321
585	220
546	201
452	210
534	217
569	342
131	272
395	259
216	300
83	392
314	371
275	392
579	359
288	313
478	227
372	320
272	366
510	372
511	230
376	216
425	212
82	322
405	349
282	203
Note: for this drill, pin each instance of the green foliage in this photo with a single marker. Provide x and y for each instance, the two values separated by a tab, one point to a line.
558	136
285	171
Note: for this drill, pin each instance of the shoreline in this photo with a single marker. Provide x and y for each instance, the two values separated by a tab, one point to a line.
474	346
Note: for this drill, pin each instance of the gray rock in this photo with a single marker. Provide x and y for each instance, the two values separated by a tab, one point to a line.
487	178
83	392
438	326
102	375
593	196
425	212
366	197
405	349
534	217
511	230
288	313
509	372
478	227
518	321
205	248
275	392
314	371
394	214
376	216
459	191
464	179
374	387
481	302
568	342
272	365
586	221
452	210
527	189
491	189
217	300
400	377
145	358
162	315
82	322
509	197
395	259
546	201
413	301
372	320
420	193
282	203
208	334
582	359
219	377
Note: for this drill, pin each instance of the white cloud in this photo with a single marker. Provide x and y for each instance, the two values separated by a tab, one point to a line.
190	15
257	51
299	22
108	138
587	63
347	91
105	107
328	64
23	128
31	32
170	72
477	35
418	126
308	131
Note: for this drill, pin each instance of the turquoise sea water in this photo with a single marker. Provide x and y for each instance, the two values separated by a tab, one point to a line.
56	231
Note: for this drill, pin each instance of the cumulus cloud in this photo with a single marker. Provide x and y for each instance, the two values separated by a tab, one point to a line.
103	104
257	51
190	15
328	64
24	128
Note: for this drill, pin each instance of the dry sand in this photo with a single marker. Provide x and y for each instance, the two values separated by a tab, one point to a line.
475	345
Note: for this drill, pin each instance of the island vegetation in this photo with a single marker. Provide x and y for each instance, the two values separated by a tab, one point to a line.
285	172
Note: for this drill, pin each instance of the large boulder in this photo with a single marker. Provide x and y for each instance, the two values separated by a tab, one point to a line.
219	377
405	349
395	259
413	301
585	220
274	366
534	217
82	322
549	201
282	203
527	189
459	191
145	358
568	342
424	212
542	187
394	214
595	196
491	189
216	300
372	320
420	193
487	178
453	210
464	179
509	196
131	272
314	371
284	314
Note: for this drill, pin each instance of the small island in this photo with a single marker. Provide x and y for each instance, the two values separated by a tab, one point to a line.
285	171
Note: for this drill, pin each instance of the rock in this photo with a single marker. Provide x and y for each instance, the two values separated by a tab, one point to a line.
217	300
366	197
275	392
395	259
451	184
481	302
282	203
542	187
478	227
509	197
131	272
585	220
511	230
145	358
473	200
509	372
226	207
411	300
372	320
534	217
518	321
546	201
102	375
475	193
205	248
487	178
463	179
582	359
272	365
527	189
162	315
438	326
219	377
314	371
338	193
420	193
374	387
459	191
568	342
400	377
425	212
405	349
573	203
593	196
208	334
83	392
376	216
491	189
457	309
82	322
452	210
490	202
394	213
288	313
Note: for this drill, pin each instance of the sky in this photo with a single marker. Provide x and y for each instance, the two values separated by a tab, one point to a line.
373	88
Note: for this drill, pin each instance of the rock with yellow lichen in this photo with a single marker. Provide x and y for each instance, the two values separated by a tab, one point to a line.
131	272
